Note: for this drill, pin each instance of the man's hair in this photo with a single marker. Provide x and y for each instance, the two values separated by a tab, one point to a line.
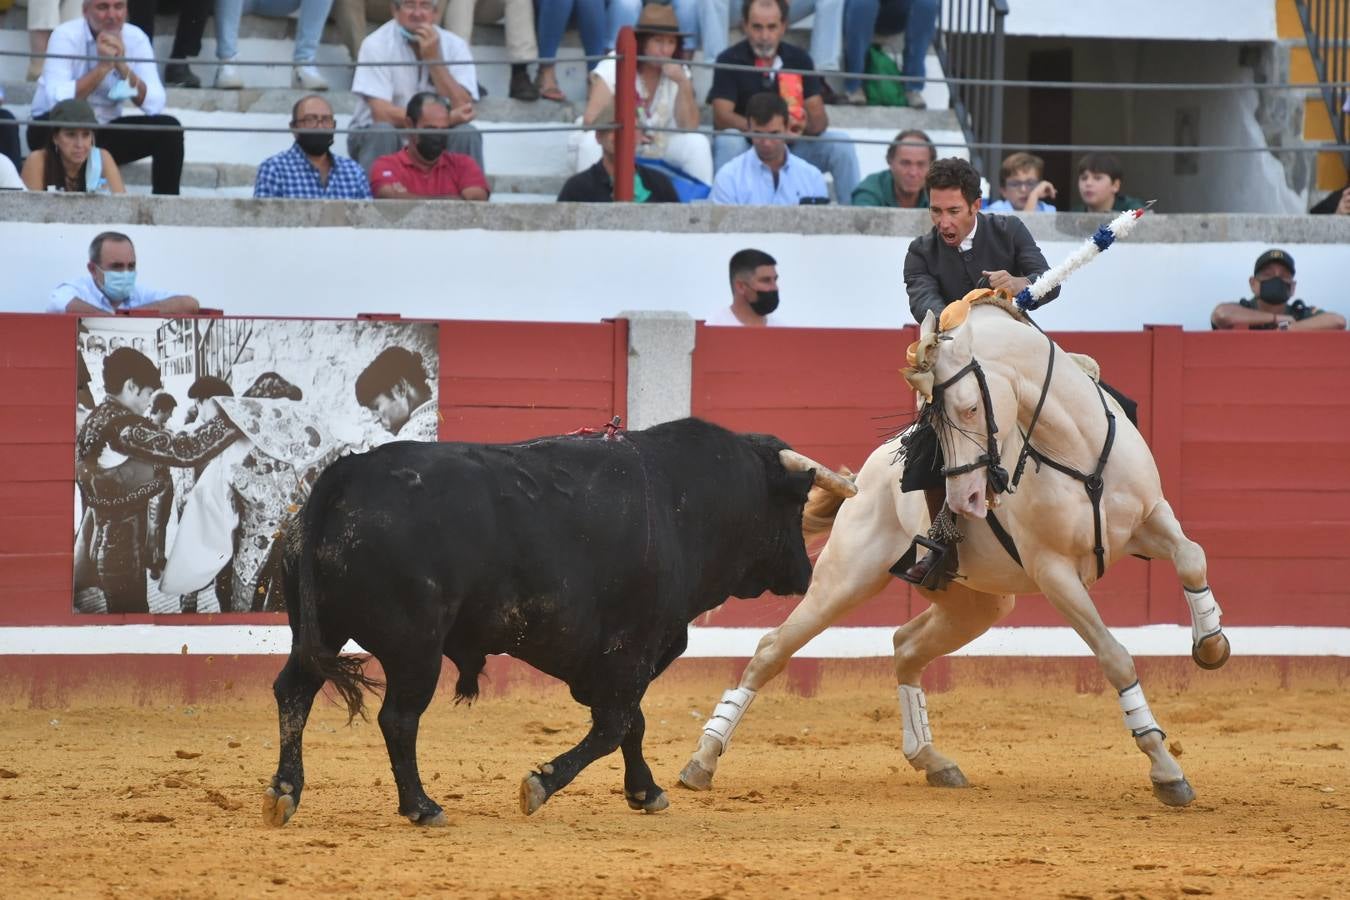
954	172
911	136
420	100
386	371
745	262
782	8
295	110
1104	164
96	245
208	386
1016	162
163	403
762	108
124	363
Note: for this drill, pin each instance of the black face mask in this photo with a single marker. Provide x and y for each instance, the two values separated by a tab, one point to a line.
316	143
431	146
1274	290
764	303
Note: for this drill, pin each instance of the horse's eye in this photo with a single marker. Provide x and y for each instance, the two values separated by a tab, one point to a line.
970	413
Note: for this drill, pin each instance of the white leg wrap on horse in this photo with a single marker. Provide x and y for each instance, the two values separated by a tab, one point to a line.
914	719
1205	613
1138	717
727	715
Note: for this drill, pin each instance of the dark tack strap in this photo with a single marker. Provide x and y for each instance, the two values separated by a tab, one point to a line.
1003	537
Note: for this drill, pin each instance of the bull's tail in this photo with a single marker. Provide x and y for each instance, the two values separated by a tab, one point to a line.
821	508
302	537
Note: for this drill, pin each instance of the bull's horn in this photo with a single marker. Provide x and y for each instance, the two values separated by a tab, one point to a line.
826	478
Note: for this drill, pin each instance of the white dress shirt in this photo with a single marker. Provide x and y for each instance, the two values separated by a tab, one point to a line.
969	243
60	75
84	289
9	176
398	84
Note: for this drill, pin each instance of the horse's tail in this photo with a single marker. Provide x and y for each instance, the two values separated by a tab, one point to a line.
345	672
821	508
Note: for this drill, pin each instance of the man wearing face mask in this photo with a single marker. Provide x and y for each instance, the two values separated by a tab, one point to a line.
754	290
424	168
1270	308
309	170
110	285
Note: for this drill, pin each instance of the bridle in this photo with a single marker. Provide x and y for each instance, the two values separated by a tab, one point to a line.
999	482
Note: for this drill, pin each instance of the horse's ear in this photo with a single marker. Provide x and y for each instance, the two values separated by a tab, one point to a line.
929	324
962	345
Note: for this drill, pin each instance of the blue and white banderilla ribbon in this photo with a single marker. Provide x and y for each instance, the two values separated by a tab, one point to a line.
1030	296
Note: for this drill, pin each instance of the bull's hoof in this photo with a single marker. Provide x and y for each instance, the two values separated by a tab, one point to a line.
278	804
1174	793
429	820
653	804
532	794
950	777
1212	651
695	777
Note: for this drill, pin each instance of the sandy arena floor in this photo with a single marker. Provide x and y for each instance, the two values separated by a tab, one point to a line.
814	798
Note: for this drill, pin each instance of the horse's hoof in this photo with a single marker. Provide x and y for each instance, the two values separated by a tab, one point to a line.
423	820
1174	793
653	804
532	794
1212	651
695	777
950	777
278	805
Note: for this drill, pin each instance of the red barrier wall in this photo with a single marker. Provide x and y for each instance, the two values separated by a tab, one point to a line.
498	382
1251	432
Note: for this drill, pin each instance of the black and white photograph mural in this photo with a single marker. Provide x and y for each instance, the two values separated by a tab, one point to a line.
197	438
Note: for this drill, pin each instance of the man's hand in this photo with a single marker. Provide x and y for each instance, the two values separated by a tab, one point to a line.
428	46
1011	285
462	114
1043	191
796	127
109	46
1343	208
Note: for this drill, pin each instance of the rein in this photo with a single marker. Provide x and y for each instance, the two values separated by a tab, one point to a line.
998	476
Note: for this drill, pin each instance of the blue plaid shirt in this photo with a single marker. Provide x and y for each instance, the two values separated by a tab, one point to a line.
290	174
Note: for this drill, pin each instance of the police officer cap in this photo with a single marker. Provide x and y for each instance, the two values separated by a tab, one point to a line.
1271	256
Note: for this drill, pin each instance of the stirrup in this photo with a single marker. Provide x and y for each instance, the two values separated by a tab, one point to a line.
940	570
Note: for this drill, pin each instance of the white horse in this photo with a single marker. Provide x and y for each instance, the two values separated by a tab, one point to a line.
990	383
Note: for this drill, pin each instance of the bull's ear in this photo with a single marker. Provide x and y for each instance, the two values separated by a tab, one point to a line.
929	325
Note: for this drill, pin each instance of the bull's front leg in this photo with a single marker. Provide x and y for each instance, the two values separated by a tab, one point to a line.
610	724
639	788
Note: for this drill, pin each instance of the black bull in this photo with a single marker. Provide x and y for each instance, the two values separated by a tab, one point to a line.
583	556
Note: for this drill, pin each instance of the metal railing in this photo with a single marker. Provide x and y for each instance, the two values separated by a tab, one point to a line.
1326	25
970	44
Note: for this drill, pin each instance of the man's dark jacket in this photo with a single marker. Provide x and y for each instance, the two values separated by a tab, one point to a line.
936	274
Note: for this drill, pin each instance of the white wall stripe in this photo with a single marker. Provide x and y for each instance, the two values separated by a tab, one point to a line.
834	643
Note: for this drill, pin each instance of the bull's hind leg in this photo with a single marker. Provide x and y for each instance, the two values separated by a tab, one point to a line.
411	674
1161	537
1061	585
294	688
958	616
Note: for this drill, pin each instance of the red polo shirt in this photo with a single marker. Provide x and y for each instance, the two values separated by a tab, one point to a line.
452	173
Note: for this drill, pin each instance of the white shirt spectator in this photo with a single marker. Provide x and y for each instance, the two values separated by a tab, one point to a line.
85	289
724	316
658	113
9	176
59	75
398	84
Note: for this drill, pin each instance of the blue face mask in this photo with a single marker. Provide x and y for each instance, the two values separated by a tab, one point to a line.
408	36
118	285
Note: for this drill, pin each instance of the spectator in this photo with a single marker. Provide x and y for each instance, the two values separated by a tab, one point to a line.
665	99
104	35
521	46
769	174
71	162
394	388
754	290
424	168
765	23
902	183
308	31
110	286
598	22
827	30
187	38
865	18
437	62
9	176
9	135
43	17
1336	203
1099	179
1270	307
596	184
309	170
1022	187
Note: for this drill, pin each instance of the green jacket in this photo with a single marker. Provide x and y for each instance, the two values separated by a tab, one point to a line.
1123	202
878	189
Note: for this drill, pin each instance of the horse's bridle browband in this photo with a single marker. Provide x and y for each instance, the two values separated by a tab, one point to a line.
998	476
